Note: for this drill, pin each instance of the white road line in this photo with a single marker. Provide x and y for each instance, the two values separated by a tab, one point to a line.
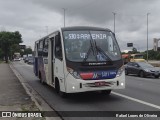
143	79
137	100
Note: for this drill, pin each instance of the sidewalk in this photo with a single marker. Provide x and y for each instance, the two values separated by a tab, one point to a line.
155	63
13	97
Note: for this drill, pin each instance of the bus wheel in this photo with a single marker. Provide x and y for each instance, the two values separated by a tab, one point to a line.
40	78
57	88
106	92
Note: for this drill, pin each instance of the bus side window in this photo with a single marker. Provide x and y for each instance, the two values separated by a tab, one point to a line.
58	47
45	48
40	48
35	49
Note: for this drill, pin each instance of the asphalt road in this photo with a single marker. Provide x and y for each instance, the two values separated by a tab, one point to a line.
141	94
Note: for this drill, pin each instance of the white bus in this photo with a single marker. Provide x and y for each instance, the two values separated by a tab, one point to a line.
80	59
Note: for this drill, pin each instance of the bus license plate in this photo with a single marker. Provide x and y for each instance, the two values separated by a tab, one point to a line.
100	83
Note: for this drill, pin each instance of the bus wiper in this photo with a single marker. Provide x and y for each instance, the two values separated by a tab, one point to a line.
91	48
102	51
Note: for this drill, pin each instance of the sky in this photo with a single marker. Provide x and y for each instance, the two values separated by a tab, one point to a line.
37	18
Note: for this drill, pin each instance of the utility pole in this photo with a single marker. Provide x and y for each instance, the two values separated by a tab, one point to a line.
147	36
114	20
64	15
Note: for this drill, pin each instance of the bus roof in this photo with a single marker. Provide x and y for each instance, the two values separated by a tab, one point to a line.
84	28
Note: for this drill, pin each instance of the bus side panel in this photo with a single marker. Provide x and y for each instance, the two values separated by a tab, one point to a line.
35	67
45	61
59	73
41	69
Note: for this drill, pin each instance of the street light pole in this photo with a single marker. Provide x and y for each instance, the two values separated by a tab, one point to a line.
147	36
114	20
64	15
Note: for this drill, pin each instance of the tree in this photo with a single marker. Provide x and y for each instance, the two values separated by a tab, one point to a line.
27	51
152	55
8	40
158	56
1	53
134	50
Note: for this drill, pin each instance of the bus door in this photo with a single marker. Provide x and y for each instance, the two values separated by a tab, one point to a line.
52	60
59	61
36	59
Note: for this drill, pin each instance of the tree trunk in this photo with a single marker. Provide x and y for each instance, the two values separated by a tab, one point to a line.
6	58
6	53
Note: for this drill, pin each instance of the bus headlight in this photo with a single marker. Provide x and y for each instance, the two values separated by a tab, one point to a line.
120	71
75	74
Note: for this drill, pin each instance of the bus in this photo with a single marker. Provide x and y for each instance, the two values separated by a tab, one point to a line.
137	58
79	59
132	58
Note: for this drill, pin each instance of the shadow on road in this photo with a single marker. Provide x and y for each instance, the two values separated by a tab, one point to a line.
84	97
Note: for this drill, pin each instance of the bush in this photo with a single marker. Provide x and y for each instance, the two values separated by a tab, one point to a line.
158	56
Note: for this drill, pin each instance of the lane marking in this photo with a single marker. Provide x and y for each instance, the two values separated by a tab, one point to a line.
139	78
137	100
149	80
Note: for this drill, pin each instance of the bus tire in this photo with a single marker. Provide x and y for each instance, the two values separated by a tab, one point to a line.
57	88
40	78
106	92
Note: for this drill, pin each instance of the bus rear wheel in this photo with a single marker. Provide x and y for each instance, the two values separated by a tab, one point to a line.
40	78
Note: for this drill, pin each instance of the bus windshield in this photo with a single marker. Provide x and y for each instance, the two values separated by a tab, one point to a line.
91	46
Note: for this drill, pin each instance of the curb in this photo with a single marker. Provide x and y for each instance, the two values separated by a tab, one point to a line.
35	97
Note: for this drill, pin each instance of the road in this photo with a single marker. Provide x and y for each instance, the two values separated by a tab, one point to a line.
141	94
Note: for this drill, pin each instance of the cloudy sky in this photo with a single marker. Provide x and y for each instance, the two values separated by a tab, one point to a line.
36	18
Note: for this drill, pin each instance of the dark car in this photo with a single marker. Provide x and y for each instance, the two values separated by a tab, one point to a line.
25	59
142	69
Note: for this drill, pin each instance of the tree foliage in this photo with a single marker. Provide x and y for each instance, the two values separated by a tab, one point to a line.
152	55
27	51
9	43
134	51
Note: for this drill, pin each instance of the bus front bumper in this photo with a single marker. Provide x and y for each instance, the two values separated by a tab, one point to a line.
78	85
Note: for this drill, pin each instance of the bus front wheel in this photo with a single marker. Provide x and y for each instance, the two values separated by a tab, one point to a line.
57	88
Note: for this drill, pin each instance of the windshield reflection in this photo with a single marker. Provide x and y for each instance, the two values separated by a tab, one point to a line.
90	46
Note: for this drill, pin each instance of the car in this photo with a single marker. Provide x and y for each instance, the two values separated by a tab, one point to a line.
30	60
25	59
17	59
142	69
